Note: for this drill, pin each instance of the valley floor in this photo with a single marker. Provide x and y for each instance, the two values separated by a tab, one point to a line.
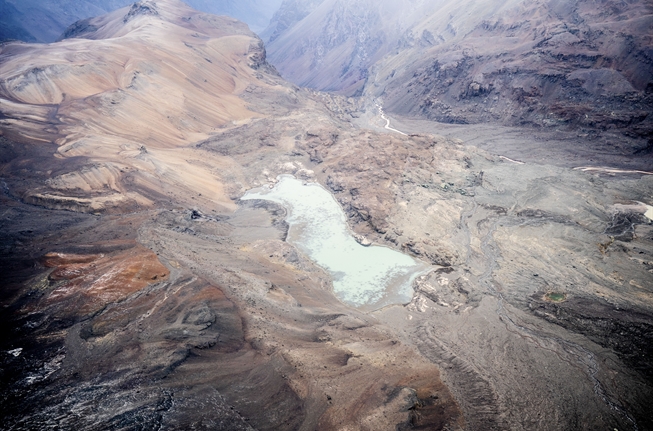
538	314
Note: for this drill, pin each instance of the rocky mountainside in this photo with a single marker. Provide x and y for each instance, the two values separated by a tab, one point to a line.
546	63
287	15
332	47
46	20
138	290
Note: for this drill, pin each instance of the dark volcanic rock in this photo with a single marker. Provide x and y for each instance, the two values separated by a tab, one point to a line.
78	29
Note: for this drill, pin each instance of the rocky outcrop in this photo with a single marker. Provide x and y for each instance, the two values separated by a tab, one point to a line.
79	29
141	8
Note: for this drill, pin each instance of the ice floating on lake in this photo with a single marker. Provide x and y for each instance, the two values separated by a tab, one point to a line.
366	277
649	212
16	352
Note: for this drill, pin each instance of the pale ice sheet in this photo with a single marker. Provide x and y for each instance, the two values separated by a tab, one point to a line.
649	212
16	352
366	277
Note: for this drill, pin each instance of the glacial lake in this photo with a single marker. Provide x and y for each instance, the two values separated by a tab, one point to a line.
365	277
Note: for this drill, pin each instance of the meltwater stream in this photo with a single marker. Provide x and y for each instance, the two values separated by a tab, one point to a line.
366	277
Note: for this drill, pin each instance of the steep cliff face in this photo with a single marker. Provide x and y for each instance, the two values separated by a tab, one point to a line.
585	63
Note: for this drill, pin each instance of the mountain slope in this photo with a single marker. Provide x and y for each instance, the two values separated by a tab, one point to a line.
11	26
256	13
584	63
544	63
46	20
94	93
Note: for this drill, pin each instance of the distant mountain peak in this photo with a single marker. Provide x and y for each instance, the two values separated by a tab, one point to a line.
145	7
49	21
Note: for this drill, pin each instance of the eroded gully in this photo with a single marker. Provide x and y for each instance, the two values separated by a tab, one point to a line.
567	351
